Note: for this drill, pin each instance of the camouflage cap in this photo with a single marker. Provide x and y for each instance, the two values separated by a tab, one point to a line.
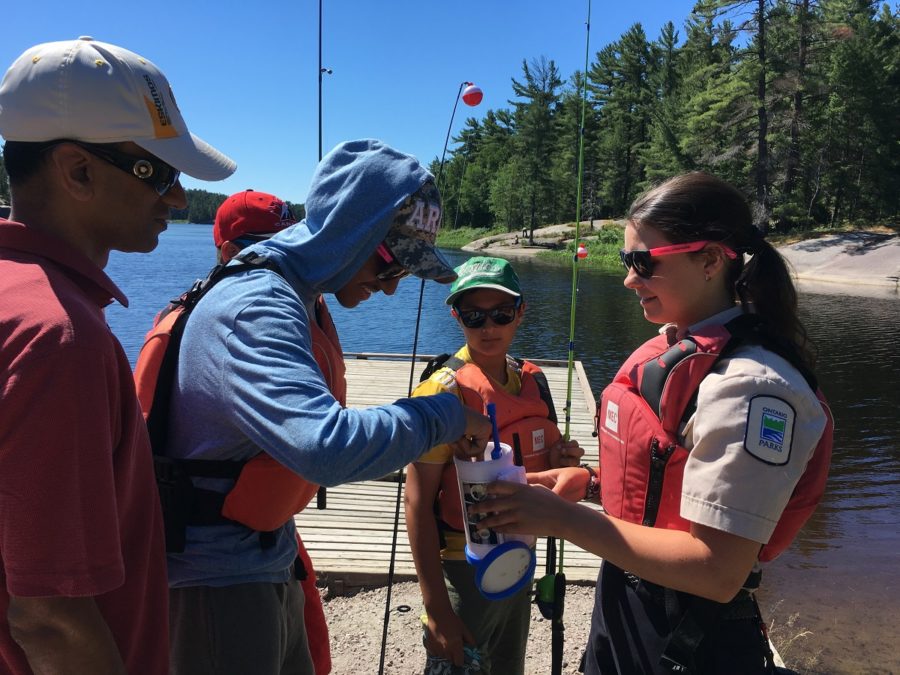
413	233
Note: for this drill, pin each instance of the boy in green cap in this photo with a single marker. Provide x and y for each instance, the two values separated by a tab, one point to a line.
471	632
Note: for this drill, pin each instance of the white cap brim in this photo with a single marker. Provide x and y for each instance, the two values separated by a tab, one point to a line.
191	155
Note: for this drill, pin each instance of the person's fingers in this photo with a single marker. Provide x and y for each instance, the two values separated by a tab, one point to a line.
502	488
546	478
468	637
467	447
456	653
478	425
503	521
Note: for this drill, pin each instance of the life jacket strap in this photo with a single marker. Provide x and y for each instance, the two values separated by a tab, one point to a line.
182	503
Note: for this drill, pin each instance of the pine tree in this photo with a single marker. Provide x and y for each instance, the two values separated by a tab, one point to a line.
534	114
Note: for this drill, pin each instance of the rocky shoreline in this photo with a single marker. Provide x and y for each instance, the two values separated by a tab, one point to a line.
864	263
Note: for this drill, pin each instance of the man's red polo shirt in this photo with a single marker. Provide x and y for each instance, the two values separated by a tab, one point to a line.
79	510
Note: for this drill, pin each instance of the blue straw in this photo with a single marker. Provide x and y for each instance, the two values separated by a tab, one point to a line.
492	413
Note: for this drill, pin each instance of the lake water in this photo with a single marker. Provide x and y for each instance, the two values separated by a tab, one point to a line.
836	587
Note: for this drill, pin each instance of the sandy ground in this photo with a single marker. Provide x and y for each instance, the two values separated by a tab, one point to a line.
356	625
851	263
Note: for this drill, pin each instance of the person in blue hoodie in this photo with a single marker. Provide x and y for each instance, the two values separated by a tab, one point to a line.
248	383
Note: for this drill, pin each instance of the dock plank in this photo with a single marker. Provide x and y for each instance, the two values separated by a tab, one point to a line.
350	541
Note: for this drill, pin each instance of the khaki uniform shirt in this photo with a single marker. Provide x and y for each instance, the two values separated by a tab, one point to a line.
755	428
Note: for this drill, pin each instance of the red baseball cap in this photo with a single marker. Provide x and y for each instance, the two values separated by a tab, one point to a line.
251	213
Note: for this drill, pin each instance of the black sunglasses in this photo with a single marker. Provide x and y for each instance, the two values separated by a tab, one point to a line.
157	173
501	316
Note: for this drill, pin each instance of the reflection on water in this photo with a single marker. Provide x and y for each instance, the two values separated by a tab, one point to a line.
839	577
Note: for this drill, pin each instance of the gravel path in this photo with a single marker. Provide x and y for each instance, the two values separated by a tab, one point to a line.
356	622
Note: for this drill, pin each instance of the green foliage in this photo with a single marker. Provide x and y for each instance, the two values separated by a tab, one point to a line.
459	237
202	207
792	101
603	247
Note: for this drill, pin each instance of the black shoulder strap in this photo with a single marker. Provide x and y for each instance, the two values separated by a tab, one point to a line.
438	362
158	420
657	371
543	389
182	503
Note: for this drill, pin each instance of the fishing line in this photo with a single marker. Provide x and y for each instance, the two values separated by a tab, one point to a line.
559	580
472	97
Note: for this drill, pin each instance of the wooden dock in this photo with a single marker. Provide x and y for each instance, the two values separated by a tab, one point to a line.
350	541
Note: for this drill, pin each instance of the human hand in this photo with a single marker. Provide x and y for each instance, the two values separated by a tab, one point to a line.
475	439
570	483
446	635
565	453
523	509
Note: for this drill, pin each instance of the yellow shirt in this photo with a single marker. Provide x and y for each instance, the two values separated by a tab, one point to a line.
444	380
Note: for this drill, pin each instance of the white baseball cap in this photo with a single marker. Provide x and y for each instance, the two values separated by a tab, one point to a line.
91	91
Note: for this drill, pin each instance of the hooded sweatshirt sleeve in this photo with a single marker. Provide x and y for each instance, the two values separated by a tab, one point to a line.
255	386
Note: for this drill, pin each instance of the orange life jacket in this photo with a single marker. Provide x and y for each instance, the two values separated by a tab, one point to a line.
266	494
526	422
642	411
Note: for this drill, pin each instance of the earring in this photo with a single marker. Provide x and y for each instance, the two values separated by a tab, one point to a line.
707	276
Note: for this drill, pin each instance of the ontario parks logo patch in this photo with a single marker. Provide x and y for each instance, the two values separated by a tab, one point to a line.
770	429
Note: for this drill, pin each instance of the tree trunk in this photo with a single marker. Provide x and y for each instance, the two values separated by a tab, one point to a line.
762	153
793	157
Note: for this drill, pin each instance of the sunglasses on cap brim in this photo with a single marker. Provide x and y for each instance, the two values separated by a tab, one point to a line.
476	318
642	261
394	269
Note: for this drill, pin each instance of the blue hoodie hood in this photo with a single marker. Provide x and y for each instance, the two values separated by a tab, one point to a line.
355	191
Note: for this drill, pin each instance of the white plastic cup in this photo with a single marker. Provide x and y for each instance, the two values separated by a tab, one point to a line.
474	478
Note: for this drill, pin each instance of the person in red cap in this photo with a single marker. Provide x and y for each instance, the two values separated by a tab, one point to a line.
246	218
94	148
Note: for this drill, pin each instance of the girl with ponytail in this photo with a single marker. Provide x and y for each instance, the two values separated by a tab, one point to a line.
714	444
697	206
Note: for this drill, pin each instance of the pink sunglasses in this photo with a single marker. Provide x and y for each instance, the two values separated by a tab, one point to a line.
642	261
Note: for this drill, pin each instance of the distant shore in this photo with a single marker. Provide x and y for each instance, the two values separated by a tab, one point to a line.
859	263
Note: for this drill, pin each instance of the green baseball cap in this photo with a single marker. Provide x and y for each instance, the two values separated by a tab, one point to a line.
484	272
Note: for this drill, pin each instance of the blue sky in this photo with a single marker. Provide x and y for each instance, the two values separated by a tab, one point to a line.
245	74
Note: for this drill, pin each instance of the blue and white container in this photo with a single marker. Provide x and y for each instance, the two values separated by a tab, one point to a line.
504	563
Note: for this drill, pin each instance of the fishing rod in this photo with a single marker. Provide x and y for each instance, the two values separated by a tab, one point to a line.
471	96
555	582
322	492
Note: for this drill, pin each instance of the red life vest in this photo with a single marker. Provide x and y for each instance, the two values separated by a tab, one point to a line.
526	422
639	419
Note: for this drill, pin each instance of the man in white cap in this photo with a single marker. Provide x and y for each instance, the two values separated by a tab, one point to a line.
94	148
